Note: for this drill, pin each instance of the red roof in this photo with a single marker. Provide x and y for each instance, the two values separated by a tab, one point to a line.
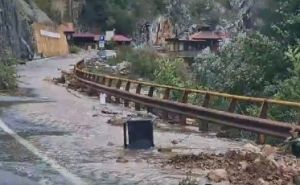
68	27
84	35
203	35
121	38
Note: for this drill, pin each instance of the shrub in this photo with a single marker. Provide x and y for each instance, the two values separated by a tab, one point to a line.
74	49
8	79
252	65
143	61
171	72
168	72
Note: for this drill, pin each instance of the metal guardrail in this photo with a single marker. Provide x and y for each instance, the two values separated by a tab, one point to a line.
261	125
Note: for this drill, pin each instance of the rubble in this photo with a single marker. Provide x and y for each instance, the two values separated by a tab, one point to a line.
174	142
217	175
117	120
164	150
122	160
108	111
252	166
123	68
251	148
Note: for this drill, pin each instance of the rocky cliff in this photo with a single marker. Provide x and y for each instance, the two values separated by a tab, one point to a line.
16	18
184	17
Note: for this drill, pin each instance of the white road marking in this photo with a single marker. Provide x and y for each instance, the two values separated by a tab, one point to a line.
63	171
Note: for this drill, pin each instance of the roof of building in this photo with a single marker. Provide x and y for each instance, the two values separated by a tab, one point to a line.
202	35
68	27
183	40
121	38
84	35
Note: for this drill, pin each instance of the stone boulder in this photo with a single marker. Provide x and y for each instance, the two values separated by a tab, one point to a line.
218	175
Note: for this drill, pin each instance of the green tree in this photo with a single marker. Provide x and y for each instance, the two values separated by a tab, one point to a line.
251	66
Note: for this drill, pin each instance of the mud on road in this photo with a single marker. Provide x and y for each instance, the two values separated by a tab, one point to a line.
66	132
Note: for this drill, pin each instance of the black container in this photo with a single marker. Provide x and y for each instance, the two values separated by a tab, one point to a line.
140	134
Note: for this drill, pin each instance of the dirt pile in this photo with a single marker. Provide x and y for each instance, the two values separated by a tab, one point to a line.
243	167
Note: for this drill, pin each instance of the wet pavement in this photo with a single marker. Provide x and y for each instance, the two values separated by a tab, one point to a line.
66	132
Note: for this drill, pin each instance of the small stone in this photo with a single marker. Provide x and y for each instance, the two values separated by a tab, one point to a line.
117	121
268	150
164	150
110	144
218	175
121	160
243	165
174	142
251	148
261	181
95	115
107	111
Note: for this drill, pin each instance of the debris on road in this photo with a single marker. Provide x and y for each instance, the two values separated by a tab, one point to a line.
108	111
164	150
117	120
174	142
122	160
218	175
254	166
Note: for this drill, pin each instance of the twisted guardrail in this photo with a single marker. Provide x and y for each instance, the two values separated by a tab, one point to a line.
120	88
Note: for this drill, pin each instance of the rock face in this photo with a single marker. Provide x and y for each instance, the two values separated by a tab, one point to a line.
16	17
185	17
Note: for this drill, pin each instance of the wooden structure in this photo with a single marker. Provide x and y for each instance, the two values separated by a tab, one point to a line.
86	40
50	40
121	40
190	47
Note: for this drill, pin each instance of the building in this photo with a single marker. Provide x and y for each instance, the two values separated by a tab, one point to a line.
121	40
86	40
190	47
69	30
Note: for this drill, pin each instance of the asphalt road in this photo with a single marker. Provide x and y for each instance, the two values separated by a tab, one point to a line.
60	142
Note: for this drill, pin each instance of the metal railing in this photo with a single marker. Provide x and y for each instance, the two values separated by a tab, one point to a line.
112	86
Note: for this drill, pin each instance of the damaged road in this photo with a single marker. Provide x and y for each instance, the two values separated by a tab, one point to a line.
69	138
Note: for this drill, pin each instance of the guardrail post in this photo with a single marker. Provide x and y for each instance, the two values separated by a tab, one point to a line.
127	88
118	86
97	79
204	124
138	91
184	100
166	97
108	97
263	114
103	82
150	94
93	77
231	109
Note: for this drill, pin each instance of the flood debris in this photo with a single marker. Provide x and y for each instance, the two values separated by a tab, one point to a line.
108	111
251	166
123	68
122	160
218	175
164	150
